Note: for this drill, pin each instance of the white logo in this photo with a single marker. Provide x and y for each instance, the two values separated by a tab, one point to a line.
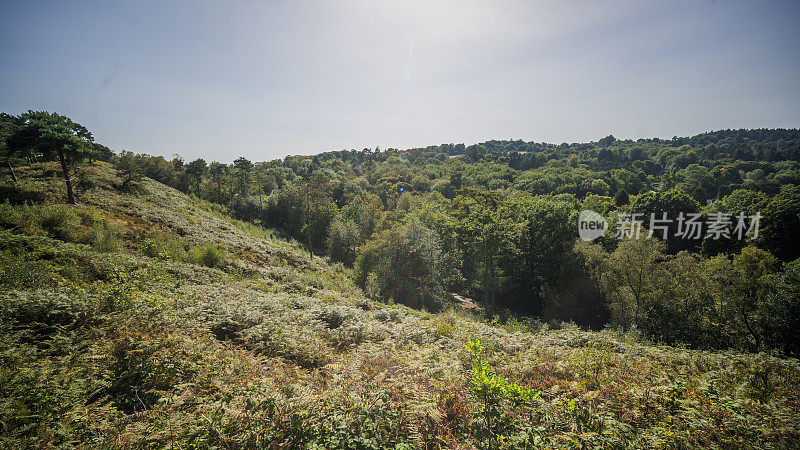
591	225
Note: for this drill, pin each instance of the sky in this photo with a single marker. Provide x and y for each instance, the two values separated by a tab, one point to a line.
266	79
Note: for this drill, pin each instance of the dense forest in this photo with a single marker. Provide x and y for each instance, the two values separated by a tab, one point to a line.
496	222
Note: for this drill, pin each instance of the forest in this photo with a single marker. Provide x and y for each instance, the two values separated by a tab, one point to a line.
497	222
421	298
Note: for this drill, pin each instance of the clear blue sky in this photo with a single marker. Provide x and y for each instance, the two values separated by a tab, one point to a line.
261	79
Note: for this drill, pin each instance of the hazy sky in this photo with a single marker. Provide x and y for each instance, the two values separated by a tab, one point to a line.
266	79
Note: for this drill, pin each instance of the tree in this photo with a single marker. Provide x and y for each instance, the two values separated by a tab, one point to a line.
627	180
752	282
743	201
781	222
403	264
243	168
737	202
599	187
129	171
487	231
218	170
9	125
52	133
783	310
196	169
621	198
698	182
632	278
343	240
544	243
607	141
314	215
672	202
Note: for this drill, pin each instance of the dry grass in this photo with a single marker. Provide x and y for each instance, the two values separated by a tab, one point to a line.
278	350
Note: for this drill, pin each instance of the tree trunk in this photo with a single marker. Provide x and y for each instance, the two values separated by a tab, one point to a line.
70	194
11	169
756	336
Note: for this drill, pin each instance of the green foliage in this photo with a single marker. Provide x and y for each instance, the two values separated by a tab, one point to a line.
137	373
56	221
164	246
781	220
18	194
104	237
403	265
495	394
279	350
129	172
169	247
209	255
621	198
343	240
54	135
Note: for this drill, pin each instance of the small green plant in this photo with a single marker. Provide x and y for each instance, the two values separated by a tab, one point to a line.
165	247
593	359
209	255
104	237
495	393
132	287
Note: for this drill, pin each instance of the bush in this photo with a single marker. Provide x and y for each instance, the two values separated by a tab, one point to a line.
496	394
164	246
17	194
20	273
209	255
139	372
167	247
104	237
56	221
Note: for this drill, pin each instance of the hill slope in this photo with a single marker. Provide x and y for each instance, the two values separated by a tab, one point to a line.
152	318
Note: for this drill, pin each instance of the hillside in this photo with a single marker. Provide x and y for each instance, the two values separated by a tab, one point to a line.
151	318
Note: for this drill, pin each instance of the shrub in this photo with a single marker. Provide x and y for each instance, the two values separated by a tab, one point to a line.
104	237
84	183
495	393
41	311
17	194
56	221
164	246
334	316
209	255
138	372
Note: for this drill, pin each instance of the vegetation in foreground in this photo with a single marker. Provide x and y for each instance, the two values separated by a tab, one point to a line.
152	319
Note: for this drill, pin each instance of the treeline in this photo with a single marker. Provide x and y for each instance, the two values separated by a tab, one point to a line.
497	222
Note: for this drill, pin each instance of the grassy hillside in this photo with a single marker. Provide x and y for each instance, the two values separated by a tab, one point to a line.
150	318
